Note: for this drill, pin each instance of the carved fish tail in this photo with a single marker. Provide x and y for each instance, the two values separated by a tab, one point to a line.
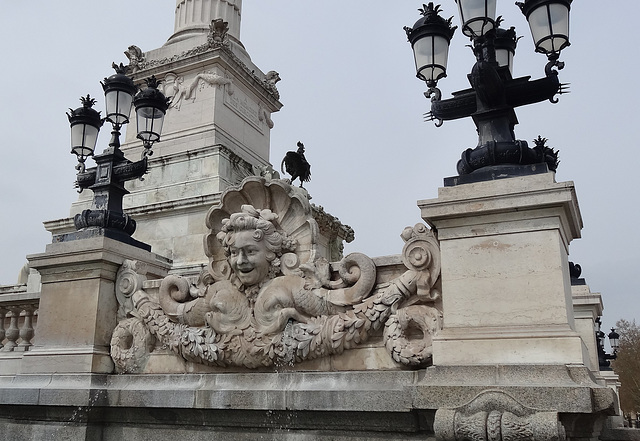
310	303
192	344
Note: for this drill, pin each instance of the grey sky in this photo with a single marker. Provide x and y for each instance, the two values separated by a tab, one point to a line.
350	94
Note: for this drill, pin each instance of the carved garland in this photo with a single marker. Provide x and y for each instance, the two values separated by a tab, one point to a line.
304	309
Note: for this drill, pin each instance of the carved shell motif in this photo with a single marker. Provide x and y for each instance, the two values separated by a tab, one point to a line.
295	216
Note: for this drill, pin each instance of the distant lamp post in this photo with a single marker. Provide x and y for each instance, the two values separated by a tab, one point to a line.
603	357
614	340
112	170
494	93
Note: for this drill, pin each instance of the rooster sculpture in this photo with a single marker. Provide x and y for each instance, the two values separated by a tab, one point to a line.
295	164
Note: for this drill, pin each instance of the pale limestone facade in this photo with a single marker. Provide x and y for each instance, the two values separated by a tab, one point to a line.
506	245
472	331
216	131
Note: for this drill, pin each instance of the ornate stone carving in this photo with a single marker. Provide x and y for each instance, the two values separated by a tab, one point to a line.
497	416
269	81
271	78
265	171
206	78
136	58
335	231
264	116
175	89
218	33
131	346
267	296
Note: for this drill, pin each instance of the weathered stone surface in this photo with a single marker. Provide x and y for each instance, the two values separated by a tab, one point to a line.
77	311
511	350
504	248
351	405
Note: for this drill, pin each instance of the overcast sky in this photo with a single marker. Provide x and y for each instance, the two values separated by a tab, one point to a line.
350	94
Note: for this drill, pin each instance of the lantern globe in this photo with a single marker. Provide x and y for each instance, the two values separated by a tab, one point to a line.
477	16
85	125
151	106
118	93
549	24
505	43
430	37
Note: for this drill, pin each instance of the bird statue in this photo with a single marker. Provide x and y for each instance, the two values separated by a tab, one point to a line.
296	165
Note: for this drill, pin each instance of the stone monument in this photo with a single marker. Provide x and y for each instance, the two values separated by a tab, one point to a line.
246	321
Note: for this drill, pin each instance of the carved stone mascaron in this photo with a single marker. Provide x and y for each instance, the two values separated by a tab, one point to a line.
267	297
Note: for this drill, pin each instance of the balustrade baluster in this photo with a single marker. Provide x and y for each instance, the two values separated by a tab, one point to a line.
3	314
13	332
26	331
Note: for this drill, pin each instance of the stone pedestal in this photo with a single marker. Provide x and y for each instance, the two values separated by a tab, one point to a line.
587	308
505	273
78	306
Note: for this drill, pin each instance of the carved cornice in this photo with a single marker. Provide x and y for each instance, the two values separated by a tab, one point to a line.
331	226
211	47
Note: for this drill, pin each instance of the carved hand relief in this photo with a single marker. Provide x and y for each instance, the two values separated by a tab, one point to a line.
267	297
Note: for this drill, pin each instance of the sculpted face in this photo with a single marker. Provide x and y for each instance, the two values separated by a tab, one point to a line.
248	258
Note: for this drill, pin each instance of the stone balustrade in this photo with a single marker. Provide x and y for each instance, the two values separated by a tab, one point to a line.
18	318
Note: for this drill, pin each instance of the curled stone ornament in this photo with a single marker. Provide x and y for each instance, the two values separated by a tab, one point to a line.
131	344
426	320
129	279
270	296
421	253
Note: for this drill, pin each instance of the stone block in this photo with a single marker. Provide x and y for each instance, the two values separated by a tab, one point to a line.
77	311
506	291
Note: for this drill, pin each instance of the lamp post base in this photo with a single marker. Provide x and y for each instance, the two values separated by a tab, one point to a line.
495	172
105	219
90	232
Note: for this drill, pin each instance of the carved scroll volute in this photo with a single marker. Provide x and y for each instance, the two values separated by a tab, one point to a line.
130	278
421	253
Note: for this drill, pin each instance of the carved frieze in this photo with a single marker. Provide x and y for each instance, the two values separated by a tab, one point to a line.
217	40
268	298
180	91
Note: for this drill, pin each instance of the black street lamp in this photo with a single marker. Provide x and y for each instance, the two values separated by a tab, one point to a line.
614	340
603	357
112	170
494	93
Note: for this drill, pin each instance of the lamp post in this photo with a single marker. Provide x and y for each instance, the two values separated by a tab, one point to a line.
603	357
494	93
112	170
